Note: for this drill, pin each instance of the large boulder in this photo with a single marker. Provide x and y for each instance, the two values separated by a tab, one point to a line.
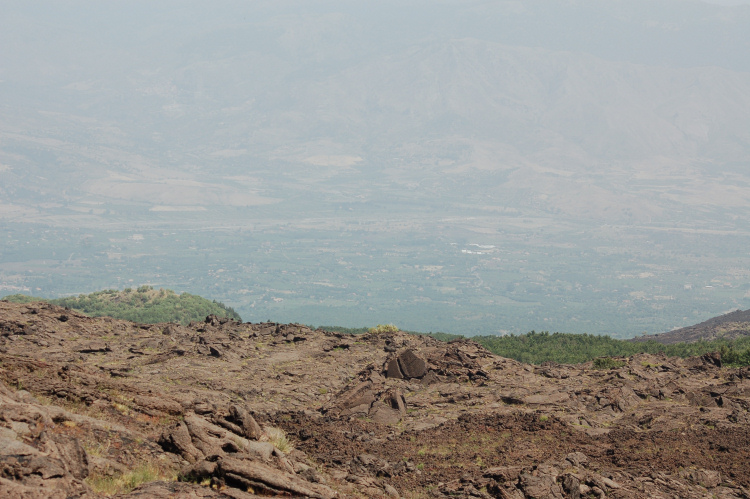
250	428
406	365
540	487
390	408
356	400
177	439
392	370
411	365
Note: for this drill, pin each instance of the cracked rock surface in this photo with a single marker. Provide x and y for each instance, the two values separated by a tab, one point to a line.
84	400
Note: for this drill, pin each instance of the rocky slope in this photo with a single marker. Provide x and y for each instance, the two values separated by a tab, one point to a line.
198	411
728	326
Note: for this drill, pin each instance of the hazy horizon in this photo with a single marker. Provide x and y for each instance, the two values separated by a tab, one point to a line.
468	167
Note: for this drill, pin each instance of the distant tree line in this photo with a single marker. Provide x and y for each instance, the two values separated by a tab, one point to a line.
145	305
568	348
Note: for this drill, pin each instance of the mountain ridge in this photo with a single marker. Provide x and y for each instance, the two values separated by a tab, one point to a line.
730	326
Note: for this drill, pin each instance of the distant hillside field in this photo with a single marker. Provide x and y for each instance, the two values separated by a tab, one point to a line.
145	305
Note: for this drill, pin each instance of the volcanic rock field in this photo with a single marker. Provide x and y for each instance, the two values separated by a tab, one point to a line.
241	410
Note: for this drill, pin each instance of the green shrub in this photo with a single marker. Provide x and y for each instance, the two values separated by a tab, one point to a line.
19	298
146	306
735	356
608	363
383	328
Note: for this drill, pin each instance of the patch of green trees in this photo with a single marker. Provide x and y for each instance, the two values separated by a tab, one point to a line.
565	348
145	305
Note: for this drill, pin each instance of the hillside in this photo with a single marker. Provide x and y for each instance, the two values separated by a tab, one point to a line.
247	410
729	326
145	304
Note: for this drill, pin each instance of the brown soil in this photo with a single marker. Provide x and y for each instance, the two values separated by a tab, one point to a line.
85	402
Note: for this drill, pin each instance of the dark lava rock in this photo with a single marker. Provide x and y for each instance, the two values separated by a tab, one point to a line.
411	365
393	371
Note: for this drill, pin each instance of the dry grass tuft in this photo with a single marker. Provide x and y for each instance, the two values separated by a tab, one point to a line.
123	483
279	439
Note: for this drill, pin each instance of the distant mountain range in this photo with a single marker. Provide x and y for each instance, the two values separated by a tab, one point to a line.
642	109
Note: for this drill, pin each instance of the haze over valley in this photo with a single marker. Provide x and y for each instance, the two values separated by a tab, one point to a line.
467	167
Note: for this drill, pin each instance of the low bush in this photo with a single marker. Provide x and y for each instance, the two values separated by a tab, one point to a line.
383	328
608	363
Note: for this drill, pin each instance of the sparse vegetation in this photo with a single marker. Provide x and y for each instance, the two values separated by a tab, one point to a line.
279	439
122	483
608	363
